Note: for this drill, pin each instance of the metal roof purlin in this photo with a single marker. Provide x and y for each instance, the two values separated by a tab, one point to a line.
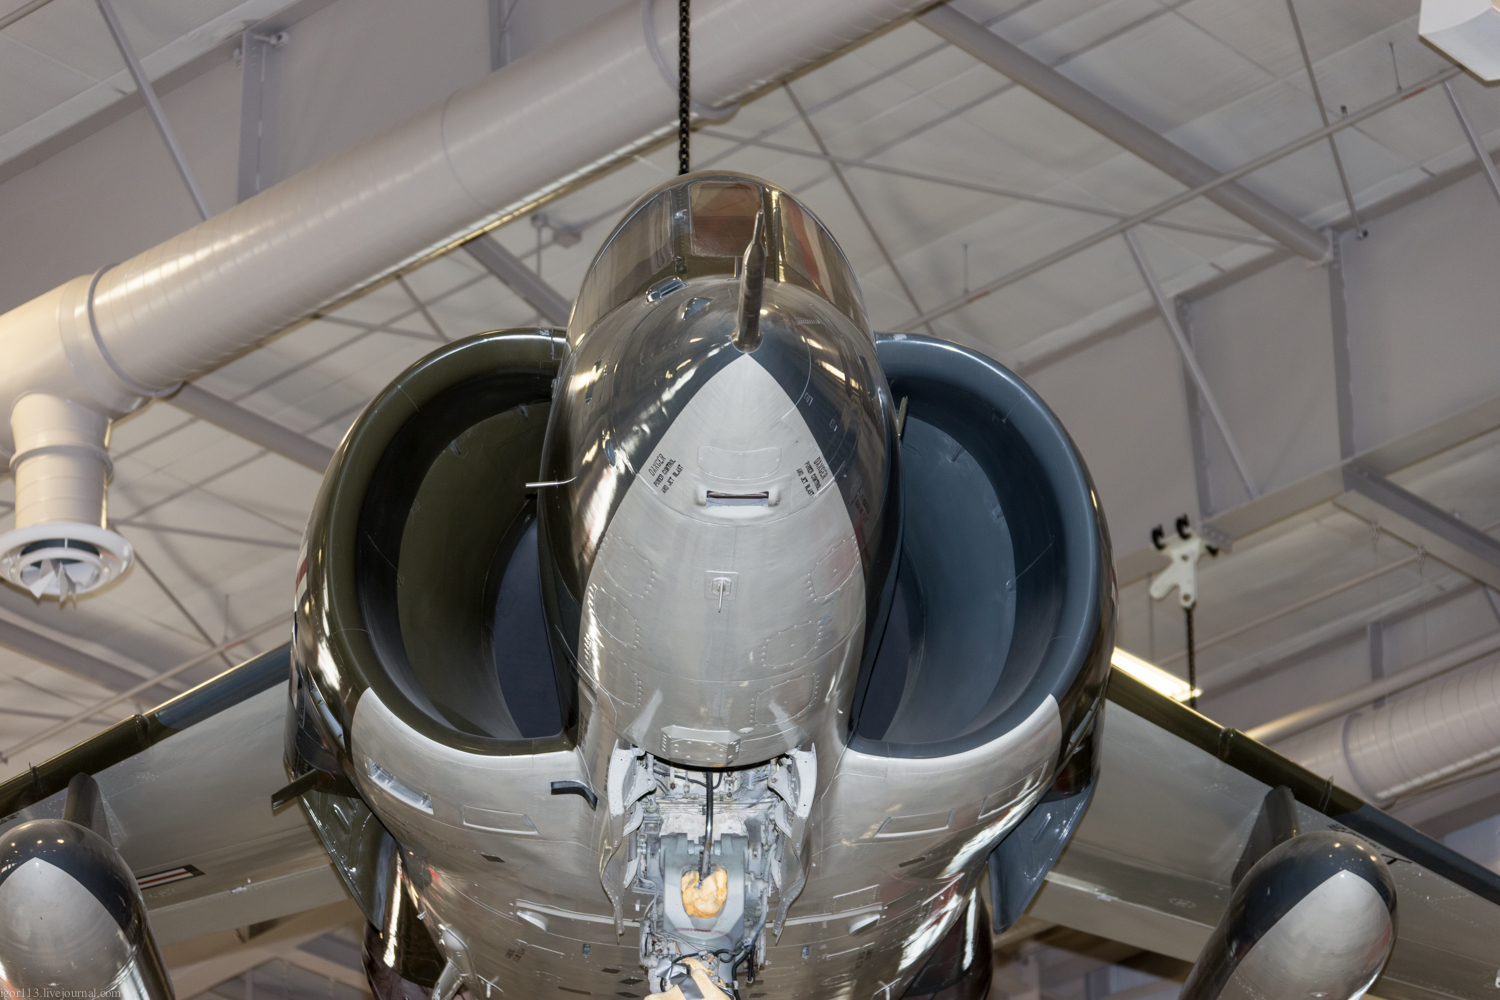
918	175
1115	125
1179	199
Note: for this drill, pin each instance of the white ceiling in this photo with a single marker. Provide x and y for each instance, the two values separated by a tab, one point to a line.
59	65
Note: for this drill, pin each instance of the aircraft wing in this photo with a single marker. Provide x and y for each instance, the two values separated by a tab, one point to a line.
187	792
1152	862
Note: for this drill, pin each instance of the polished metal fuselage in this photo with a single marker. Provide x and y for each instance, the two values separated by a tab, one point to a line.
714	633
895	847
715	519
718	518
890	847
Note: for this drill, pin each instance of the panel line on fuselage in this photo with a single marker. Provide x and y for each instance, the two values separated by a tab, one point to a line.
754	603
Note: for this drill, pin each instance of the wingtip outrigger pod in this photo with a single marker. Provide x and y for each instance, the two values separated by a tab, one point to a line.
752	287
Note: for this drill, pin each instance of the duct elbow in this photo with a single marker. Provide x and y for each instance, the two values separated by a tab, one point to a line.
59	546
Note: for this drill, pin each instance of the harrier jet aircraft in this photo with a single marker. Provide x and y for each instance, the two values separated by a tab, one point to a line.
714	647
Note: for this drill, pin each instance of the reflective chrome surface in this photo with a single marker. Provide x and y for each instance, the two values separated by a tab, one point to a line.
725	518
1331	945
716	536
72	922
1315	918
891	849
701	225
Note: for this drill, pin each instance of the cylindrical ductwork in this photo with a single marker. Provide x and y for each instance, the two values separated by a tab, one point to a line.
140	328
187	305
59	546
61	463
1435	732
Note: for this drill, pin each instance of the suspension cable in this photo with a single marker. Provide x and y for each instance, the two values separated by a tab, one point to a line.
684	87
1192	661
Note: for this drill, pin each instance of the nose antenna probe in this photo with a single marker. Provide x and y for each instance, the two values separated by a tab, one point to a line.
752	286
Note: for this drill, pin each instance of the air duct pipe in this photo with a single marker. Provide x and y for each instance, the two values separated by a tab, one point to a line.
138	329
59	545
1433	733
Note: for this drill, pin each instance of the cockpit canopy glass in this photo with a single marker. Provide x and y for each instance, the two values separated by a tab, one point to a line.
722	216
700	226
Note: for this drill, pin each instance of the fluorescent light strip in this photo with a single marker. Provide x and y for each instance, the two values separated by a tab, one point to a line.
170	875
1154	677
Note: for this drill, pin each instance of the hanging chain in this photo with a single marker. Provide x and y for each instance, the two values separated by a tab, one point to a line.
1192	663
684	88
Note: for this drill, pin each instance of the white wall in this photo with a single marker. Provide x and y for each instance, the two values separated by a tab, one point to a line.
1480	842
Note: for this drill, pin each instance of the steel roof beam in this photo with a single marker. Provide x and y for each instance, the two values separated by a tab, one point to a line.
334	949
1329	483
1277	655
147	685
1200	380
153	106
1333	145
1486	162
1314	715
519	278
859	209
1407	516
42	648
252	427
1202	190
999	192
20	12
1119	127
1281	654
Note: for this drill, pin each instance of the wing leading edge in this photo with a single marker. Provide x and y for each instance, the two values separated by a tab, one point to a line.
186	789
1153	862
